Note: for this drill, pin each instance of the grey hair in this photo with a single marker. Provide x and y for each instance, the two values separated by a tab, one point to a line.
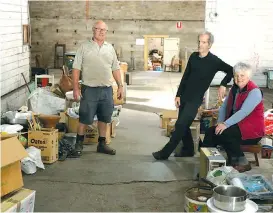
97	22
211	36
241	66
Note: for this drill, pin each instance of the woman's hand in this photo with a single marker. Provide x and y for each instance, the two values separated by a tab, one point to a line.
220	128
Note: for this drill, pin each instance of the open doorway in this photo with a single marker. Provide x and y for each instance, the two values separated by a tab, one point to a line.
161	53
153	52
155	56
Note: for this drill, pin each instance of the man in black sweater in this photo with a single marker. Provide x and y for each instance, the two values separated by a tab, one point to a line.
200	71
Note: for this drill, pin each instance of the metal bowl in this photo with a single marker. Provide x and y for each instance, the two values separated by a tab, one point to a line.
17	121
14	117
229	198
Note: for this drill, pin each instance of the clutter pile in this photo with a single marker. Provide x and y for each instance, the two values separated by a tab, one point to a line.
221	188
155	60
242	192
43	132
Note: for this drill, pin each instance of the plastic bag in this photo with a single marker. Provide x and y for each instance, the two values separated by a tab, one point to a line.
218	176
45	102
11	128
66	83
33	160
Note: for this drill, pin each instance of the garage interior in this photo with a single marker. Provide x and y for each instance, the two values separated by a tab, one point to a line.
153	42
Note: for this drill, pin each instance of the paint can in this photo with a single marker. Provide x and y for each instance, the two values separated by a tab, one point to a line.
196	199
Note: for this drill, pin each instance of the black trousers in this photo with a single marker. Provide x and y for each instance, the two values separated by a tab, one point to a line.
187	113
230	140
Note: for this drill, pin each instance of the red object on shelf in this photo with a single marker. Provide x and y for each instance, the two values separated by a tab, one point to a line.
45	82
268	122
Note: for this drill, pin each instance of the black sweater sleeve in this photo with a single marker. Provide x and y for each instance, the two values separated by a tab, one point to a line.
228	70
184	78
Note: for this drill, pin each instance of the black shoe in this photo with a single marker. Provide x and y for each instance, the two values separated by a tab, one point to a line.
184	154
159	156
104	148
243	168
77	152
165	153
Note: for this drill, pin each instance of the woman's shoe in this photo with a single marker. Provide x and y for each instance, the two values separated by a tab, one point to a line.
243	168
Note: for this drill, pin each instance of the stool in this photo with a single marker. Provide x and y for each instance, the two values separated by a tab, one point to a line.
255	149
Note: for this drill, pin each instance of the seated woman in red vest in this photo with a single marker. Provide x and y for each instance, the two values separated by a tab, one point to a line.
240	120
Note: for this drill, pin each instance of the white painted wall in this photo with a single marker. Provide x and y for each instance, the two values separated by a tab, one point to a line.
243	31
15	56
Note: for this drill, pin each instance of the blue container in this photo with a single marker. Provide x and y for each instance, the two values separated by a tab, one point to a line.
158	68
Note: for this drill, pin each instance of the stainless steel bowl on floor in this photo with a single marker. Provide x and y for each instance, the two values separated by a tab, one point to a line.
229	198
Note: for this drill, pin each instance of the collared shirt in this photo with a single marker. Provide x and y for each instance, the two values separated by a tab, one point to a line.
96	63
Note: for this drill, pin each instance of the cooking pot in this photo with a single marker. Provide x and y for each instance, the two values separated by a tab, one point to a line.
228	198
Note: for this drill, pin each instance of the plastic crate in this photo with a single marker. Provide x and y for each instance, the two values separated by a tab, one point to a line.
257	187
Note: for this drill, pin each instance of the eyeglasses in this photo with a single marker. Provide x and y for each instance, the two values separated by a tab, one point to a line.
101	30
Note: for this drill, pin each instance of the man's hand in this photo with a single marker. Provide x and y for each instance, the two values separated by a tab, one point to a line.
221	92
177	102
120	93
76	94
220	128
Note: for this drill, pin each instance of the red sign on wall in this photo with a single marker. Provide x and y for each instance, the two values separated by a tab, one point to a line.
179	25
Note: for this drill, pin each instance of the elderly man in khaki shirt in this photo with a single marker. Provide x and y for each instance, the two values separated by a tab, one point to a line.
97	61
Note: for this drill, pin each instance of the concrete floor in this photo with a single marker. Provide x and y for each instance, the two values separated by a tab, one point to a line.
132	180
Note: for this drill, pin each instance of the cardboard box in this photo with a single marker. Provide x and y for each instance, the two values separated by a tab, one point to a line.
166	116
92	134
72	124
12	152
113	129
170	127
6	136
21	137
20	201
116	100
47	141
123	66
195	128
63	118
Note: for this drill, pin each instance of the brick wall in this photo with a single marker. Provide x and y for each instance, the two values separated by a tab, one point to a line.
243	31
127	21
15	56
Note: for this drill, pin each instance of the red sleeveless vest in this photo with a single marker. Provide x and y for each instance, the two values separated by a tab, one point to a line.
252	126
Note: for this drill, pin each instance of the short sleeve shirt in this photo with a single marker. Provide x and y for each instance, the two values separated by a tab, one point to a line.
96	63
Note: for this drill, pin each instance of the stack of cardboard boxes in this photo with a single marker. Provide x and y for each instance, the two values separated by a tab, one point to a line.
14	198
168	119
91	134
